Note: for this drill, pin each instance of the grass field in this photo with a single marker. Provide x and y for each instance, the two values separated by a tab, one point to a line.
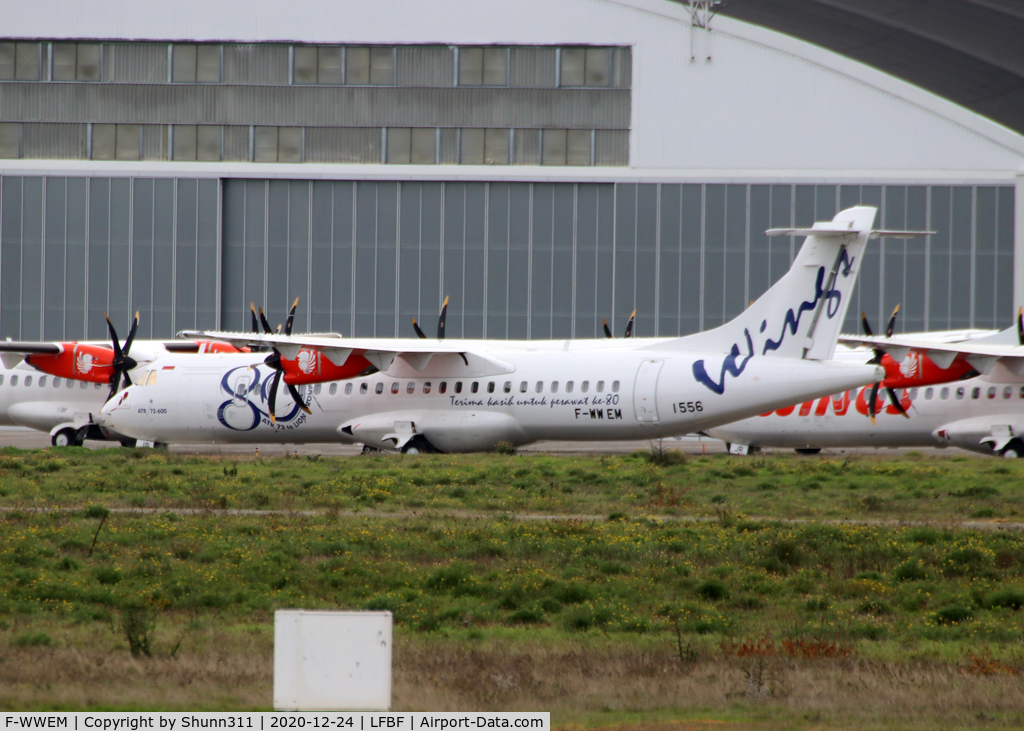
572	584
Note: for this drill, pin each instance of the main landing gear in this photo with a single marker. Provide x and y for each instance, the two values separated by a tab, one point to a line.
67	437
1013	450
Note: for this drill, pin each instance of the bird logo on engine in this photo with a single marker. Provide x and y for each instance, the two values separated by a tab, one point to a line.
307	361
84	362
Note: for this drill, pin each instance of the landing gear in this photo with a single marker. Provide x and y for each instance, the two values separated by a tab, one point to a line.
1013	450
66	437
419	445
367	449
808	451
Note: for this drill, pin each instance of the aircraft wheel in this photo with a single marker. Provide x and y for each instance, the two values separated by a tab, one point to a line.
412	450
66	437
130	443
1013	450
808	450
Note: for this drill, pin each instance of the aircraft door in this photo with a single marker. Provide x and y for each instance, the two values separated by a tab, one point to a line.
645	391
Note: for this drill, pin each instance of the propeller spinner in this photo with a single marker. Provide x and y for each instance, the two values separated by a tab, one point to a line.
122	362
274	361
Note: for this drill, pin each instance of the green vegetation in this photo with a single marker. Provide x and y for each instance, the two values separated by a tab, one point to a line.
658	482
646	566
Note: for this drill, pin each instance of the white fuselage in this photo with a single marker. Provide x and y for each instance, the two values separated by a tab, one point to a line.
954	414
39	401
519	392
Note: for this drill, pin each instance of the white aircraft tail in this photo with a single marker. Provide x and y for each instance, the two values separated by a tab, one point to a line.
800	316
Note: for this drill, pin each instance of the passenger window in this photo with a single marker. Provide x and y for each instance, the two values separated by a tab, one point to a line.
944	394
554	387
28	380
959	393
991	392
379	388
42	382
96	386
615	386
975	392
316	389
928	393
1021	388
524	385
71	384
568	387
442	387
1007	392
348	389
2	383
508	387
913	394
426	387
363	388
410	388
333	389
14	381
475	387
458	387
394	387
538	388
600	387
56	381
490	387
585	386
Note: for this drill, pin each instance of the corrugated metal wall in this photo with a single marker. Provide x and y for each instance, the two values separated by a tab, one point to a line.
135	63
72	249
551	260
256	63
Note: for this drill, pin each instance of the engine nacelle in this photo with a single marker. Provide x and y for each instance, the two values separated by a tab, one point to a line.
472	431
917	369
79	362
312	365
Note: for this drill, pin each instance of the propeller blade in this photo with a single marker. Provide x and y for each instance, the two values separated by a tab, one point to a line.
266	325
131	334
629	325
272	396
113	337
1020	326
419	333
873	401
892	322
291	317
896	402
864	324
298	399
115	377
441	319
607	330
255	322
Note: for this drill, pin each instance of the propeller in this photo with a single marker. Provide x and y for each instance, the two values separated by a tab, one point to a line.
122	362
879	353
274	361
440	323
1020	326
629	327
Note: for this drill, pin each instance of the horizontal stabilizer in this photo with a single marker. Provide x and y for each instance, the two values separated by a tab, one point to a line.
832	233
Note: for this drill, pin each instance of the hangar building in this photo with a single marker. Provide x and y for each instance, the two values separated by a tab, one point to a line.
546	164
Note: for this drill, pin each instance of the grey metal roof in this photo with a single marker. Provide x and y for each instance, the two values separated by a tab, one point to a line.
968	51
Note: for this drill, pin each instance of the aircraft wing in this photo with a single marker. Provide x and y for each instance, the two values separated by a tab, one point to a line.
980	354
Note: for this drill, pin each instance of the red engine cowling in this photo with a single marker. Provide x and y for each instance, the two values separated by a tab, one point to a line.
218	346
917	369
78	361
312	366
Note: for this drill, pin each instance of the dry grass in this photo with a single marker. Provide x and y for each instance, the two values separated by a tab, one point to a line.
595	682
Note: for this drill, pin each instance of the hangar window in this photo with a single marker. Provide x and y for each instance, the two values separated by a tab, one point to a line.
374	66
442	387
394	387
484	146
317	65
10	140
1007	392
483	66
277	144
201	142
585	386
412	146
333	389
76	62
116	141
192	63
566	147
20	61
585	67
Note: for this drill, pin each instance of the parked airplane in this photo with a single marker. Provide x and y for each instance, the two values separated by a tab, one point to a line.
467	395
984	413
52	402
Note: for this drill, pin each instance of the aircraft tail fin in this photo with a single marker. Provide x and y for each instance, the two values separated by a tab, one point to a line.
800	316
